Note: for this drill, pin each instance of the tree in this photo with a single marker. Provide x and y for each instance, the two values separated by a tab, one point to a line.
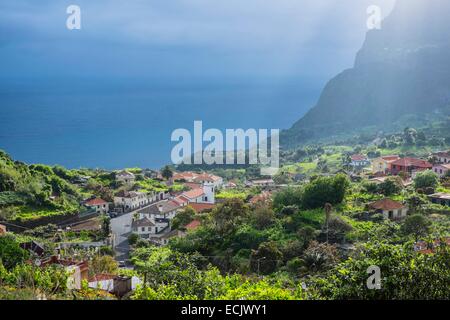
306	234
287	197
405	274
319	256
167	173
266	259
426	179
133	238
183	218
226	216
11	254
263	217
392	185
325	190
103	264
106	225
416	225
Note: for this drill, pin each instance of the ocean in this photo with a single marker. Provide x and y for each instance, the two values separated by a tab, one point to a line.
112	125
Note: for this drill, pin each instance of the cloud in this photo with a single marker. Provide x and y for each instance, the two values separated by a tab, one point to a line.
197	36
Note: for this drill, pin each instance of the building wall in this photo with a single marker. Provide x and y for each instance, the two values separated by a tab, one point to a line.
395	214
379	165
440	170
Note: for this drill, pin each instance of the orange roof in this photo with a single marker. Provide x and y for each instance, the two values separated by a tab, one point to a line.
200	207
192	185
96	202
358	157
193	225
386	204
194	193
409	162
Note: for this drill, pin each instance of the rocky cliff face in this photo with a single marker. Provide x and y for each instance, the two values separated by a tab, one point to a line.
404	68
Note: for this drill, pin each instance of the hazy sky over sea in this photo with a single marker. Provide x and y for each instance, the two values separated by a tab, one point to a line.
109	95
182	38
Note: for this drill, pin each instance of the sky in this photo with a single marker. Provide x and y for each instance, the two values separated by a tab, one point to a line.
182	39
109	95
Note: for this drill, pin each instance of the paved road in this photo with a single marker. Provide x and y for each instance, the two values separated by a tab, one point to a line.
121	228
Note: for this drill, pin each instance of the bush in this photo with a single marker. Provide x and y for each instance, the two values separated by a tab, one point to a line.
426	179
133	238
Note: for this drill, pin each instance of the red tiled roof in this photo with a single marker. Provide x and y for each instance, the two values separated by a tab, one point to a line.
410	162
193	185
194	193
358	157
96	202
200	207
386	204
193	225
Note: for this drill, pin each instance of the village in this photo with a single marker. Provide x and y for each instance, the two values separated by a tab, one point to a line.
139	217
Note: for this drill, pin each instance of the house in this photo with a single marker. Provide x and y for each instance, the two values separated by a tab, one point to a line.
383	164
442	157
440	198
165	238
166	209
389	208
204	178
2	230
201	195
125	177
441	169
263	183
409	166
132	200
149	226
118	285
199	178
230	185
359	161
100	205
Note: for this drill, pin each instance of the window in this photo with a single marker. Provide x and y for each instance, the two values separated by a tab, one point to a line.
143	229
391	214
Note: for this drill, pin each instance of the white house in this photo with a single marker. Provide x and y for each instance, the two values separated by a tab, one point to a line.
441	169
125	177
359	161
132	200
166	209
262	183
148	226
205	194
389	208
442	157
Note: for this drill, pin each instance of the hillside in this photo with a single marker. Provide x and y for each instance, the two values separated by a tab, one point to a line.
402	72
